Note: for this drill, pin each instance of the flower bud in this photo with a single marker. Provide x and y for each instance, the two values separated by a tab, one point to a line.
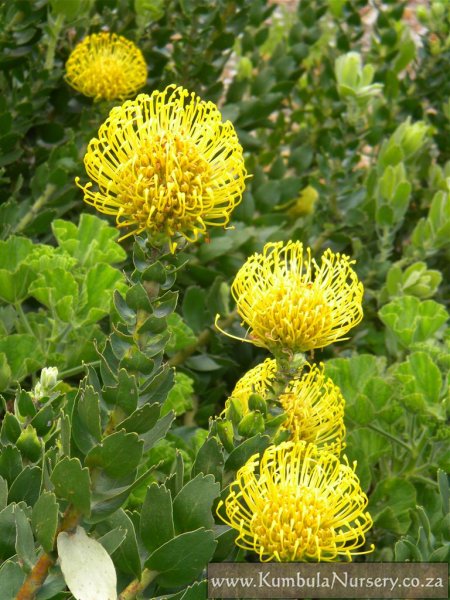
225	433
29	444
257	402
251	424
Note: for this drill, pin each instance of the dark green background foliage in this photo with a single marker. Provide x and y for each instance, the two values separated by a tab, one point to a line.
350	155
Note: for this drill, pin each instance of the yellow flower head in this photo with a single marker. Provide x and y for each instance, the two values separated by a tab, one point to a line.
293	304
313	404
297	504
106	66
166	164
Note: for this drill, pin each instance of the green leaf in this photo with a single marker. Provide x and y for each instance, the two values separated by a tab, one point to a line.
118	455
11	429
96	293
44	520
24	540
5	372
181	335
113	539
352	374
244	451
194	309
23	353
197	590
209	460
391	502
14	285
407	53
202	363
412	320
406	551
158	431
142	420
57	290
7	532
86	426
192	507
183	558
124	394
179	398
156	521
72	482
27	486
10	463
70	9
11	580
419	374
126	557
92	242
14	252
3	493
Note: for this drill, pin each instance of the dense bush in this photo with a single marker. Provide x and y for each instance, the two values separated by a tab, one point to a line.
113	375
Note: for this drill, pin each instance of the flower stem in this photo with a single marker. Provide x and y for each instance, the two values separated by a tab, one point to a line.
138	585
78	369
390	436
23	318
40	202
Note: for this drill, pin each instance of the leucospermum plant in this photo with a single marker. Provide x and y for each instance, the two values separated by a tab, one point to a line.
106	66
166	165
296	501
313	404
292	303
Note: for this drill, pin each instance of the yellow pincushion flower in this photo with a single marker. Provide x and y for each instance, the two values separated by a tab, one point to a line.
313	404
293	304
166	164
297	504
106	66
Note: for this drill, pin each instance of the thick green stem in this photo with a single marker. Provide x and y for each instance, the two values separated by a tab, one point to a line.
23	318
138	585
40	202
55	30
78	369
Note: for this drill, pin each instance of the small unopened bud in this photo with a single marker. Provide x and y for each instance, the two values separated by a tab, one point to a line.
226	434
257	402
29	444
251	424
48	380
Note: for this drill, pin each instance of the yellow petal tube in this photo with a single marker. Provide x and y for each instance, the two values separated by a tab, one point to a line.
291	303
297	504
314	405
106	66
165	164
